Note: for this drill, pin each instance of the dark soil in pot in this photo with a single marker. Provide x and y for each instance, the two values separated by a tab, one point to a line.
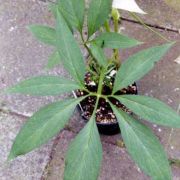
105	119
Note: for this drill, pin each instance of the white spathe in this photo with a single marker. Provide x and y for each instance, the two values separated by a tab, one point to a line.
128	5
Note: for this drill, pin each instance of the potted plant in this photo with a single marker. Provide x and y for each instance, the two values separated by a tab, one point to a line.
104	84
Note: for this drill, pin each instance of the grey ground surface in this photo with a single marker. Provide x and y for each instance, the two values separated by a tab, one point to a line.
21	56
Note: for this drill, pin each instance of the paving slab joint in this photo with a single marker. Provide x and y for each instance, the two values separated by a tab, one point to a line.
15	113
175	30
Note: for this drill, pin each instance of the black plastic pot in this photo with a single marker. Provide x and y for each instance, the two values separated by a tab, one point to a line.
104	128
108	129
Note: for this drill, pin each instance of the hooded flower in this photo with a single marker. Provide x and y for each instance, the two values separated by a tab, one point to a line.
129	5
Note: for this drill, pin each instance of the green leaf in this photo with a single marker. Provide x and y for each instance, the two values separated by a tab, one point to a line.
97	14
44	86
151	109
73	12
143	146
98	54
53	8
53	60
84	156
69	50
139	64
44	34
115	41
42	126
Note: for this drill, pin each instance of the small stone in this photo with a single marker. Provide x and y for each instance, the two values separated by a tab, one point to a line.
176	89
139	170
92	83
12	29
113	72
177	60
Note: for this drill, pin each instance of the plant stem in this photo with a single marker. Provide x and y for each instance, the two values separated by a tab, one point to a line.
116	16
146	26
100	84
107	26
116	24
95	108
102	72
96	105
92	72
175	162
84	43
172	131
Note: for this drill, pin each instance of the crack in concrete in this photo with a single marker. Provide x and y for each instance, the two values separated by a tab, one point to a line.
56	141
51	156
53	150
15	113
67	128
174	162
175	30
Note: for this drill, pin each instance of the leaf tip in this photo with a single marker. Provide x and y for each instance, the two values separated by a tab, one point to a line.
6	91
172	43
140	43
29	27
168	45
11	156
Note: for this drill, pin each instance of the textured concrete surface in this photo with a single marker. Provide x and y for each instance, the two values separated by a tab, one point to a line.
21	56
160	13
116	162
28	167
163	83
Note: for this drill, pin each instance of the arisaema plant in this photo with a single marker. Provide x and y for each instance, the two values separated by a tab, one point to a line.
83	159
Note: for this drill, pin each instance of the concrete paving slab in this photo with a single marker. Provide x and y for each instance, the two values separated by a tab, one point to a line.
28	167
163	82
116	162
160	12
22	56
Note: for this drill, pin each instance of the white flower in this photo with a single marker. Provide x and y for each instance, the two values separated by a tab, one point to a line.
129	5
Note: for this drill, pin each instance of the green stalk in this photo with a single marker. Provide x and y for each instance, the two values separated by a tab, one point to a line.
95	107
172	161
116	24
147	27
100	84
101	78
84	43
116	16
107	26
